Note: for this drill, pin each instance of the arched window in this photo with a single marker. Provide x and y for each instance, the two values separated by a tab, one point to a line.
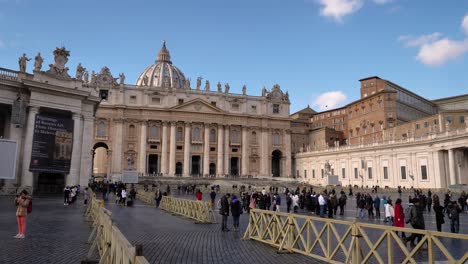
253	138
276	138
234	136
131	131
196	134
212	136
101	129
179	136
154	132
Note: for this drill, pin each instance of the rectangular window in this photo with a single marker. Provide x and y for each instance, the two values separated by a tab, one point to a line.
305	174
343	173
103	94
275	108
323	174
426	124
212	149
403	172
254	108
424	172
235	107
213	103
313	174
462	119
448	119
369	173
356	173
156	100
417	126
132	99
181	101
179	147
385	173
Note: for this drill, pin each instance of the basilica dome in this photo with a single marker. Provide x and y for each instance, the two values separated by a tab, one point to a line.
162	73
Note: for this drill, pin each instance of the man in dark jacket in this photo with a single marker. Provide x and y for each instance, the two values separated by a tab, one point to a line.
236	211
417	221
224	211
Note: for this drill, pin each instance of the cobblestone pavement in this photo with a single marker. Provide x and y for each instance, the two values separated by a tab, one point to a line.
171	239
54	233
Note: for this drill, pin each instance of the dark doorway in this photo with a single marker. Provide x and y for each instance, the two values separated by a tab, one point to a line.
234	166
153	163
50	183
196	165
178	168
212	169
276	163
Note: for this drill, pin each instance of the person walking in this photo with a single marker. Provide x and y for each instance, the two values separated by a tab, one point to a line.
416	219
86	196
429	203
224	211
439	212
399	217
454	215
389	212
158	196
22	203
288	202
66	195
295	202
361	206
377	206
199	195
278	202
322	203
124	197
236	211
342	202
212	197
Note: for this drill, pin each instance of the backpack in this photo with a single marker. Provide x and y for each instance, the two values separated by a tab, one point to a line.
29	207
408	214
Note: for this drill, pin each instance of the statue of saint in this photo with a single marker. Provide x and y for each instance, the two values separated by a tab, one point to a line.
219	87
86	76
38	62
327	168
199	82
79	72
93	78
207	85
22	62
187	84
287	96
226	88
145	80
264	91
244	90
122	78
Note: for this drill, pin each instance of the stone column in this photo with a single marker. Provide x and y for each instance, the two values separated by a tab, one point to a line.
226	149
172	149
264	168
109	165
219	163
187	144
27	176
142	159
87	150
74	174
453	178
206	151
117	148
245	152
16	134
164	149
287	149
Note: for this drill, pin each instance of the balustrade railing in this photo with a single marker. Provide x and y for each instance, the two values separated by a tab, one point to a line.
7	74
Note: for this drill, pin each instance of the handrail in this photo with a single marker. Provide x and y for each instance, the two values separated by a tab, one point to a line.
354	242
112	245
7	74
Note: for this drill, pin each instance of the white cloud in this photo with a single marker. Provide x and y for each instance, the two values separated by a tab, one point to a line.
441	51
330	100
337	9
382	2
465	24
412	41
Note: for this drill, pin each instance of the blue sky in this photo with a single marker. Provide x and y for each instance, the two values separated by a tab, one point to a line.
313	48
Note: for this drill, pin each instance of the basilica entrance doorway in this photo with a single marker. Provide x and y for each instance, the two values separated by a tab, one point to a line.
178	168
212	169
153	164
276	163
234	166
196	165
50	183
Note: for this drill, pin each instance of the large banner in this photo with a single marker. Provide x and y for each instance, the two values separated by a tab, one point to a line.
52	144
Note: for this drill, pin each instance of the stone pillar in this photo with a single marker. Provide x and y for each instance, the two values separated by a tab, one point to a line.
206	151
73	176
245	152
172	149
117	148
226	149
27	176
16	134
142	159
87	150
187	144
219	163
287	149
164	149
264	168
109	165
453	178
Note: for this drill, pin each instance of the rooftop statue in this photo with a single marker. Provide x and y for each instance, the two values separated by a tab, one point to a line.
199	82
79	72
93	78
244	90
219	87
86	76
226	88
187	84
22	62
38	62
122	78
264	91
207	85
145	80
60	59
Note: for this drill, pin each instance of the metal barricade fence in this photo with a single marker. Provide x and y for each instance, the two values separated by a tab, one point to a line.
337	241
111	244
199	211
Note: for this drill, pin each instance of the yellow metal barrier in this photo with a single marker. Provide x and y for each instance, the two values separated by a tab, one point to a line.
147	197
197	210
337	241
112	245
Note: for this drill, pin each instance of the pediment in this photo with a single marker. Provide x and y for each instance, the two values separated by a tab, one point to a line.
197	106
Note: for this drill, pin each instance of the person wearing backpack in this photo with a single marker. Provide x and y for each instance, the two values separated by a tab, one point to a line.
23	207
417	221
454	215
439	212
